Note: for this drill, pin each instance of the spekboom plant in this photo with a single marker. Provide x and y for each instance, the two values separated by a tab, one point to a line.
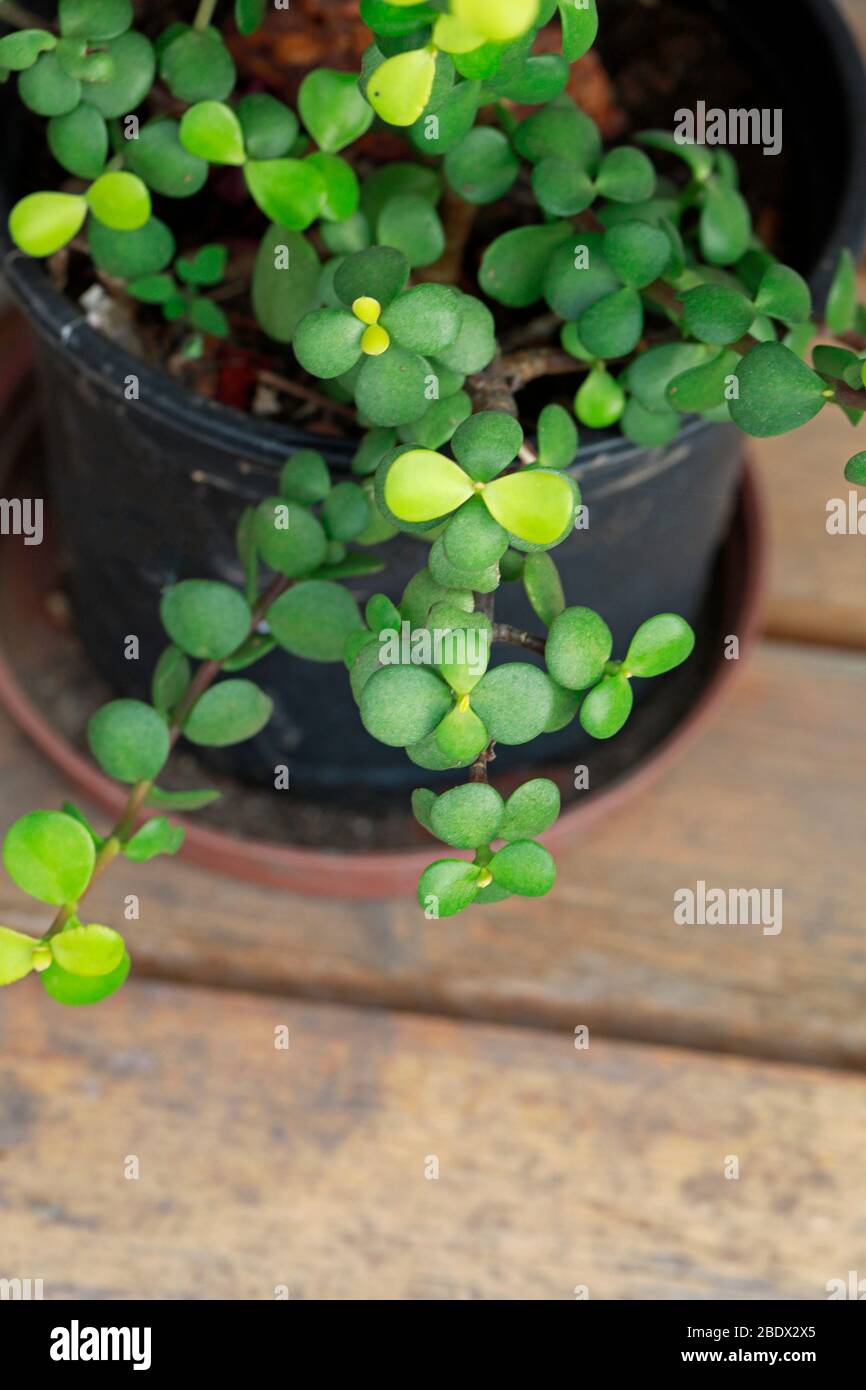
656	286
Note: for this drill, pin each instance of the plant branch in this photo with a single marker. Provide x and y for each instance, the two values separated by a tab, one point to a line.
478	770
306	393
503	632
204	678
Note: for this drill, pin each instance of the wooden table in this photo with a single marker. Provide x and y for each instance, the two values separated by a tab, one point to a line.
415	1047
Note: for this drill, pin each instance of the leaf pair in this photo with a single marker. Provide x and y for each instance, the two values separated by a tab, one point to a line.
475	815
205	269
80	965
578	651
42	223
449	886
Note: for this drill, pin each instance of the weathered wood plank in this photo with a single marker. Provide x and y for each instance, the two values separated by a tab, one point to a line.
306	1167
771	796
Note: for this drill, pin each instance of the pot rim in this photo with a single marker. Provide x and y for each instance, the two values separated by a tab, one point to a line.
59	321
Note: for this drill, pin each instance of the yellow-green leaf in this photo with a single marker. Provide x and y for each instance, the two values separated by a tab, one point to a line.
400	88
422	485
43	222
536	506
16	955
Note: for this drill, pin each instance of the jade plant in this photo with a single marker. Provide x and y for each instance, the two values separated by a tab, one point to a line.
412	314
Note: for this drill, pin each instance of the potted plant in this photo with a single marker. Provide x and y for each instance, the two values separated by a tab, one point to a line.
654	289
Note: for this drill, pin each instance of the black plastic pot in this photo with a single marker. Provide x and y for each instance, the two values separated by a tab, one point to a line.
149	491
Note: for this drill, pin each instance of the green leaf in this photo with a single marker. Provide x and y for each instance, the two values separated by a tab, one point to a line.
467	817
50	856
197	66
79	141
649	428
524	867
626	175
181	801
205	618
483	167
660	644
783	294
543	587
422	486
158	157
345	512
208	317
579	28
69	809
154	289
206	267
328	342
448	886
637	252
725	226
612	326
422	592
650	374
305	477
16	955
577	276
426	319
229	712
514	266
423	802
284	288
704	388
211	131
342	191
401	705
129	740
557	438
498	21
257	646
20	50
487	443
474	348
855	470
717	314
400	88
79	990
535	505
579	646
390	180
452	576
437	425
269	127
77	59
413	227
473	540
561	187
43	222
133	65
249	15
397	18
378	273
89	951
841	311
514	702
607	707
453	120
391	389
600	401
382	614
777	392
47	89
95	20
560	131
332	108
541	78
314	619
289	538
120	201
156	836
171	677
131	255
290	192
697	157
530	810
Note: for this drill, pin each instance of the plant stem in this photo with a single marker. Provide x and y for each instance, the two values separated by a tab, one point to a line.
204	14
478	770
204	678
306	393
503	632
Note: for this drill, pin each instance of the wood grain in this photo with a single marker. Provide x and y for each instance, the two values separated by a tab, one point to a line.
770	797
305	1168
